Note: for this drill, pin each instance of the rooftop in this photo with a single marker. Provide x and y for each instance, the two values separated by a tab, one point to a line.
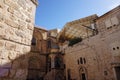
77	28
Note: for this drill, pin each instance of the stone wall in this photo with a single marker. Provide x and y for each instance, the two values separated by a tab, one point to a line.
16	29
37	56
40	40
96	58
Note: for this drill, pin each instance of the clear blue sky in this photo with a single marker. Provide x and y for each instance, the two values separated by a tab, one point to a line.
52	14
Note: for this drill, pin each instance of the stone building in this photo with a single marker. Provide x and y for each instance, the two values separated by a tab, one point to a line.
16	29
85	49
45	61
96	56
55	62
38	55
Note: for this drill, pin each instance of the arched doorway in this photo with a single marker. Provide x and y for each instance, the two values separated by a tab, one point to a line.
83	73
58	62
34	68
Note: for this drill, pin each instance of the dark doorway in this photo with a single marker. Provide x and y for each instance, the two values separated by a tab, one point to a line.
83	76
69	74
117	70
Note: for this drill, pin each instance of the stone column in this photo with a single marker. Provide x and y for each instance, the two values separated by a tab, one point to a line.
16	29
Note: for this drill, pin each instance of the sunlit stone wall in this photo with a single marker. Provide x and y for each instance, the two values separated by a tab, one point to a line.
16	29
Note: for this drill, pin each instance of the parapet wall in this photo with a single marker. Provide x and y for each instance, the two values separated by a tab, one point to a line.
16	29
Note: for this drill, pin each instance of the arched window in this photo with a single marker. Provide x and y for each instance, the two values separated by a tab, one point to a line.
49	43
58	62
83	73
33	41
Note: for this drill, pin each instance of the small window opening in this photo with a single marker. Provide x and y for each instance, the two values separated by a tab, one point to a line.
105	73
113	48
49	44
78	62
33	41
84	61
117	47
114	25
81	61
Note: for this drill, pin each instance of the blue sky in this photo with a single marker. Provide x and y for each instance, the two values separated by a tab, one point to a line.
52	14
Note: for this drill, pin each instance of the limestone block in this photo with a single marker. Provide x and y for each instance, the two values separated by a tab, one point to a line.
2	30
3	35
15	6
22	3
29	42
19	48
10	31
29	9
2	43
11	23
12	55
23	41
4	54
26	13
1	25
15	38
19	15
13	17
12	4
10	46
30	27
29	33
15	1
7	2
22	27
28	20
26	41
22	22
20	33
1	4
11	10
1	17
26	49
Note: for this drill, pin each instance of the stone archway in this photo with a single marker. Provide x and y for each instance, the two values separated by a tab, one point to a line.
34	68
37	41
83	73
117	72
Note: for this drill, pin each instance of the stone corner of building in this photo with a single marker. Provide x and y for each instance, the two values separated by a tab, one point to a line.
35	2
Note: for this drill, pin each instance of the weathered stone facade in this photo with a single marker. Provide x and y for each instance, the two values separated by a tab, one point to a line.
55	69
44	55
37	56
97	57
16	29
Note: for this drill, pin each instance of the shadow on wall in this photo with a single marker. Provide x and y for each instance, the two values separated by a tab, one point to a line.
17	68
